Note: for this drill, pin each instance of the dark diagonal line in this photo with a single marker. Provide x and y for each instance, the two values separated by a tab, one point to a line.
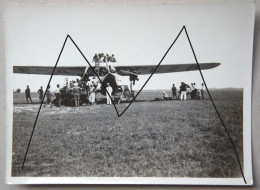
232	142
68	36
183	28
119	115
153	71
42	103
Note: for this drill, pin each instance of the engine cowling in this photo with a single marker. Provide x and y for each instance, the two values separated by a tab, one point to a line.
111	79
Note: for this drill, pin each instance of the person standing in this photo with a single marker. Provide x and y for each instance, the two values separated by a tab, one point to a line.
174	92
79	83
28	94
112	58
104	59
72	84
92	95
109	90
202	90
98	60
183	89
76	93
40	92
196	97
49	97
57	95
108	58
95	59
192	91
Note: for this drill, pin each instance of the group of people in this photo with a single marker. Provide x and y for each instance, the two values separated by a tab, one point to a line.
40	92
50	96
102	58
91	87
75	89
195	92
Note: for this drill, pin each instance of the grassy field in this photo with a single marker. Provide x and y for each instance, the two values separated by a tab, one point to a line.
159	138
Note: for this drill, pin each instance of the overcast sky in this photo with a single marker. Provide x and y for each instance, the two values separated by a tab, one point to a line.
135	35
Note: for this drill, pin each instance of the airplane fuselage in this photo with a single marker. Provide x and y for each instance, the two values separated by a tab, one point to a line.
112	78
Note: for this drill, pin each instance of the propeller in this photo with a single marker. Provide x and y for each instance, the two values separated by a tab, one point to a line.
133	77
84	76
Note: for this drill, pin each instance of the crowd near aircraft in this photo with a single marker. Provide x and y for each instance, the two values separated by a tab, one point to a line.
111	74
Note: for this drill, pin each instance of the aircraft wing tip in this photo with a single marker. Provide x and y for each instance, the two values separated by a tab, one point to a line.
216	64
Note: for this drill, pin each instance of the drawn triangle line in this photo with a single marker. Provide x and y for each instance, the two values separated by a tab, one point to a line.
36	119
119	115
223	124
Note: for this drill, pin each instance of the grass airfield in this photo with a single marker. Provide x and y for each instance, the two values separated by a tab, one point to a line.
151	139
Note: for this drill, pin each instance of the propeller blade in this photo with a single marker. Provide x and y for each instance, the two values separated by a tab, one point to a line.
127	73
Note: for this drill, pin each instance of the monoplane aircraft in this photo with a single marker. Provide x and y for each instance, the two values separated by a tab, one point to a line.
111	74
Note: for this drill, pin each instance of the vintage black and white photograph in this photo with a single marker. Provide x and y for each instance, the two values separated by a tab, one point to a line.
130	94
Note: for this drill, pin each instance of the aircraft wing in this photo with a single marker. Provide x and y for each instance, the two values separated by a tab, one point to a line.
148	69
122	70
42	70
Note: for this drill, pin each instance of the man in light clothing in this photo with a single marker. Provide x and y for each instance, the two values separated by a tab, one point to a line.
109	92
76	93
57	95
92	95
49	97
165	96
40	92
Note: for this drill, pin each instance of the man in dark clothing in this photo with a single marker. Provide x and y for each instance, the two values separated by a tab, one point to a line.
95	58
40	92
174	92
183	89
108	58
194	91
112	58
28	94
